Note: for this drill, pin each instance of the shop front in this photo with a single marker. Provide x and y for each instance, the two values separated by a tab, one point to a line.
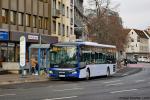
4	37
10	47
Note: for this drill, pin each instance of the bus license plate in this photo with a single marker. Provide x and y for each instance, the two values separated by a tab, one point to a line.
61	75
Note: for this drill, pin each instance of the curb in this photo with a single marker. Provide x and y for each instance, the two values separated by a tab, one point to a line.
128	71
22	81
134	71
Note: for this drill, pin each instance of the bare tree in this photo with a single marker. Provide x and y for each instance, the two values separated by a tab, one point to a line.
105	26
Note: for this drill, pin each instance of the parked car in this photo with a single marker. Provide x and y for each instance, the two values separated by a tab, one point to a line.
131	61
144	59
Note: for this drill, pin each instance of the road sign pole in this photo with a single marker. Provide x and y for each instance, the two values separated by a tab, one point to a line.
22	53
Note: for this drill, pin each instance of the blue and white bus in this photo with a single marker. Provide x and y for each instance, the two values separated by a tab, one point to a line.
82	60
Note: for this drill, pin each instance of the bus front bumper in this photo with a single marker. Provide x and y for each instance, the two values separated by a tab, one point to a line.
64	75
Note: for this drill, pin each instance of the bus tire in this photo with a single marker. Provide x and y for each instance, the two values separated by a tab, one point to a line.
87	74
108	72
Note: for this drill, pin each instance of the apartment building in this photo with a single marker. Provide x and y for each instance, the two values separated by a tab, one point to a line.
79	18
63	20
30	18
138	44
148	29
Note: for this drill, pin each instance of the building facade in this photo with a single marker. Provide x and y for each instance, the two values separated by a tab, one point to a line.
148	29
30	18
63	20
138	45
79	19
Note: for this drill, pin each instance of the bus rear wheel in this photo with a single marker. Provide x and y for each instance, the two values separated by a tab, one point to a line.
87	74
108	72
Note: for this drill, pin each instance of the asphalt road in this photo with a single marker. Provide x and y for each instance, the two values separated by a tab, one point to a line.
132	87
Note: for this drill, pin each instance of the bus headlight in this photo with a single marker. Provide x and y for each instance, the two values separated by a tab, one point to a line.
74	72
50	72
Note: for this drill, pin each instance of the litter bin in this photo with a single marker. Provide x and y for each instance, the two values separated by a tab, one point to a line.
24	72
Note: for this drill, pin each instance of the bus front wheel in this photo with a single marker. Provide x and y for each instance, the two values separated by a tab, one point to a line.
87	74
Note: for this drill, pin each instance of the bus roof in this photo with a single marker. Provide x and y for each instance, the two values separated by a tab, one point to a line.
84	43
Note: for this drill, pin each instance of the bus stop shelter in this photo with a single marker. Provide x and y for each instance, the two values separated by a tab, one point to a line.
41	52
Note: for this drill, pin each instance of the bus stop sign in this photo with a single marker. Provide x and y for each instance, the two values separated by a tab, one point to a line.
22	51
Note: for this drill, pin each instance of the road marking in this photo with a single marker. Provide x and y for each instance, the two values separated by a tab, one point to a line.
114	84
113	81
62	98
138	81
69	89
123	91
7	95
148	82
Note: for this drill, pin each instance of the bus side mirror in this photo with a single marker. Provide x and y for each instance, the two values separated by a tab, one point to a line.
82	65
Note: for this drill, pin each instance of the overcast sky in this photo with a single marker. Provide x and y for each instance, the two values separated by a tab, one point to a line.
134	13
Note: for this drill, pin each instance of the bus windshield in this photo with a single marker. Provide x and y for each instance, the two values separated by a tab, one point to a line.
63	56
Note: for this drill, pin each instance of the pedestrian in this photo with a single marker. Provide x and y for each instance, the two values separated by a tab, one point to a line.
36	68
33	65
125	62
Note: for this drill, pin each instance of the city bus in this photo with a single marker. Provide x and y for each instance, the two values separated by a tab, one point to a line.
82	60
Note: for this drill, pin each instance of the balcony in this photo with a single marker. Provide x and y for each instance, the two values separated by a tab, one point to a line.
56	13
78	22
79	6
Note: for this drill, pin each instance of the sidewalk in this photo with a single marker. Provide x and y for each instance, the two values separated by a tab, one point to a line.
127	71
14	79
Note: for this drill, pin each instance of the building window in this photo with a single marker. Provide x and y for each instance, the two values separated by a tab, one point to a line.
71	13
54	7
34	21
13	17
59	29
67	30
63	30
67	12
71	2
43	23
71	31
40	22
27	20
63	10
54	4
7	52
3	12
4	18
138	39
11	52
45	1
59	5
46	23
71	17
54	27
132	40
20	19
132	47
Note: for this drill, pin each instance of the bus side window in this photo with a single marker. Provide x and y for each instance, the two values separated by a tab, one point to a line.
100	58
111	58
